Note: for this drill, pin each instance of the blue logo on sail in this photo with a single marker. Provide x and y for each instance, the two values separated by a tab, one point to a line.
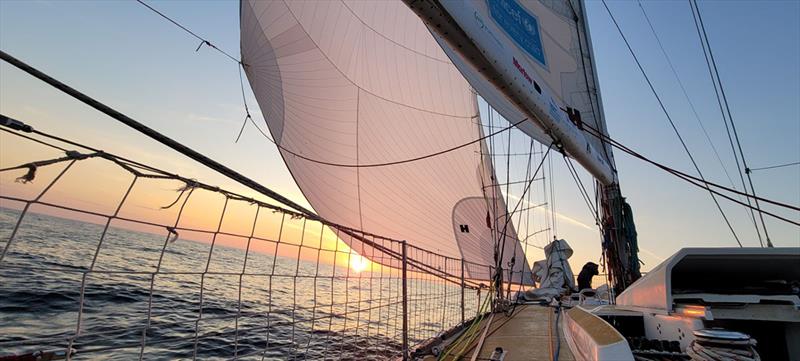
520	25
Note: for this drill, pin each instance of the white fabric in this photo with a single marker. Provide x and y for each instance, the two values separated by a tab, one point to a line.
364	82
554	274
568	73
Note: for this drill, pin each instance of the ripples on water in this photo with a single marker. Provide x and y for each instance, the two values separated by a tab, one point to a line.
41	275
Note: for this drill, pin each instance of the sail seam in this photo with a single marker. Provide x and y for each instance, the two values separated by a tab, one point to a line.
333	64
391	40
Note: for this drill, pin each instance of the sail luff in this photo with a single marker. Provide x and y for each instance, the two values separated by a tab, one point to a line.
594	88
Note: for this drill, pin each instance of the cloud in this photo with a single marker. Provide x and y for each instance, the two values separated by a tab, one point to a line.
651	254
560	216
206	118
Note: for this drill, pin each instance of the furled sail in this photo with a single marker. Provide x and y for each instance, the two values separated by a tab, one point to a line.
350	90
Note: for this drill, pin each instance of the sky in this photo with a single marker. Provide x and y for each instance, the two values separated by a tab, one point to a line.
133	60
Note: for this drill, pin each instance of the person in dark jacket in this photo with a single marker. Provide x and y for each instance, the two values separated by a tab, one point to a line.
585	277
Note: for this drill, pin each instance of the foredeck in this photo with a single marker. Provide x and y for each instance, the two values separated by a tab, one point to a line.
528	334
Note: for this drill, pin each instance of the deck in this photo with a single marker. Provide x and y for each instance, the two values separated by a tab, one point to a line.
528	334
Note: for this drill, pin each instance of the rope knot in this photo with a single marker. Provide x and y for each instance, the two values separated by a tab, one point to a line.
173	234
73	154
29	176
188	186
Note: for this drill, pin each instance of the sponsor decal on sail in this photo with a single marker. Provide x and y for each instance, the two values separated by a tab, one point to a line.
520	25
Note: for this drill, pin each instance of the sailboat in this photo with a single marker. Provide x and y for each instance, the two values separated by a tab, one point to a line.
376	109
368	85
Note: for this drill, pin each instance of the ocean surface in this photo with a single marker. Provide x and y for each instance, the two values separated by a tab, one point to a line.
293	314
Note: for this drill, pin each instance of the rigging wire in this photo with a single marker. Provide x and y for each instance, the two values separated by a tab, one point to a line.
546	217
510	214
208	162
385	164
724	118
203	41
713	64
493	179
526	211
552	198
685	93
596	133
697	181
671	122
697	117
529	209
584	192
776	166
246	108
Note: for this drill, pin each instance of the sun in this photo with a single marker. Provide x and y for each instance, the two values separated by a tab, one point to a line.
359	263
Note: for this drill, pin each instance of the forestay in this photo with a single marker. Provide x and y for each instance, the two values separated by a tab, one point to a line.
348	85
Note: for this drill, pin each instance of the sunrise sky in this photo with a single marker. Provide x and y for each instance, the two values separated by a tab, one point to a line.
124	55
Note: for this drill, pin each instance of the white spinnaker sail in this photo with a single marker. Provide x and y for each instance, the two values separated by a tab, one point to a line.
362	83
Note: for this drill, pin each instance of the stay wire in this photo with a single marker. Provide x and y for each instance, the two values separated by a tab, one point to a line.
516	206
595	133
697	181
724	117
584	192
699	19
671	122
526	211
246	108
203	41
552	198
776	166
685	93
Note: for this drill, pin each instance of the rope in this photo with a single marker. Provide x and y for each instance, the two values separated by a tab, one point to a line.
582	189
672	123
466	338
775	166
428	296
717	88
699	182
557	350
192	184
203	41
685	176
246	108
397	162
685	93
713	64
191	153
499	273
703	349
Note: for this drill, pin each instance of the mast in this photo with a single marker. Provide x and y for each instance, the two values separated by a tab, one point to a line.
618	230
499	48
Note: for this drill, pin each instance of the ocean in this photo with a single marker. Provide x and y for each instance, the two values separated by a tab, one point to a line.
286	309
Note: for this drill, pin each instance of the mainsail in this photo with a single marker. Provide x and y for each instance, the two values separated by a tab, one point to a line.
533	60
351	91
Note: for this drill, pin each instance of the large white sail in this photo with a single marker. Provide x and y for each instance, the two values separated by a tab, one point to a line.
346	83
528	59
